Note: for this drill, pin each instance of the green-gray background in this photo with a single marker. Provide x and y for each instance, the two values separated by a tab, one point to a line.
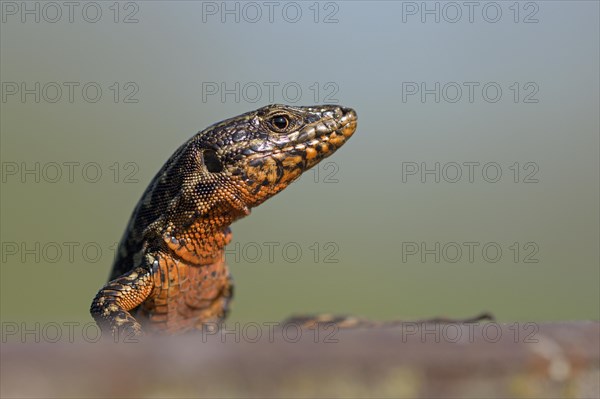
370	211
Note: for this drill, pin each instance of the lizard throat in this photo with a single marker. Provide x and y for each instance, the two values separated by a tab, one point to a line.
201	243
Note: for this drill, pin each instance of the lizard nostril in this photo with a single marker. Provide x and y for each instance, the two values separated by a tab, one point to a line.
212	162
349	111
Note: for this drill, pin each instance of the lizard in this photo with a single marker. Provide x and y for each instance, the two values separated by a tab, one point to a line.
169	274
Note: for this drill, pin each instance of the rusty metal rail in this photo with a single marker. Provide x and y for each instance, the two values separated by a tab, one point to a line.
488	360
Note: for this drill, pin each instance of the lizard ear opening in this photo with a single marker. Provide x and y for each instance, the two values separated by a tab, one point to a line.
211	161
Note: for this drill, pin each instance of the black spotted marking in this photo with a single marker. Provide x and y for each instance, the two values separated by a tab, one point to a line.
206	188
257	187
163	278
280	169
211	161
255	162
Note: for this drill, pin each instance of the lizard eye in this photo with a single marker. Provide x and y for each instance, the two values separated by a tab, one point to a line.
280	122
212	162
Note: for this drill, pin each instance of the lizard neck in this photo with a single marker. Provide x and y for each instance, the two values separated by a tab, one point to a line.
201	243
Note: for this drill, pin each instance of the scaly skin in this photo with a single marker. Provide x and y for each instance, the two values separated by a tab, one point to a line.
170	274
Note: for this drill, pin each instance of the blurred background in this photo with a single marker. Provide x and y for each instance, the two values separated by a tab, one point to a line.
470	185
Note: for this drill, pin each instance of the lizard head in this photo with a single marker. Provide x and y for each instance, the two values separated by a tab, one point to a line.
256	155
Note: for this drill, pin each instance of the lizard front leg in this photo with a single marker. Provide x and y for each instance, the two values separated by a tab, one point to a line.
110	308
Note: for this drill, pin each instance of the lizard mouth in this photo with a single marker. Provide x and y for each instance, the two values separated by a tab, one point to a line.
335	130
328	136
